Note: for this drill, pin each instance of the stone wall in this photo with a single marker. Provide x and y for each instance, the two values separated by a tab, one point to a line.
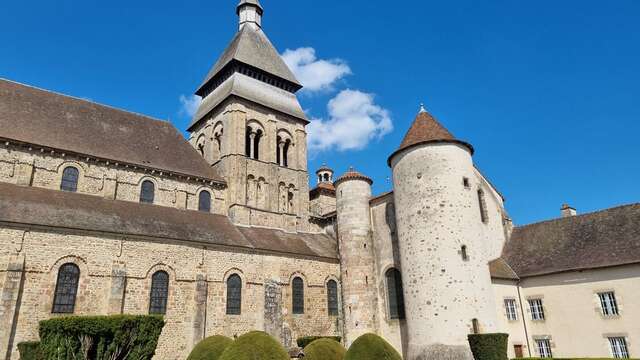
116	276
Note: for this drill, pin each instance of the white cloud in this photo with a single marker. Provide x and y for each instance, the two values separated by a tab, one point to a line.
314	74
189	104
354	120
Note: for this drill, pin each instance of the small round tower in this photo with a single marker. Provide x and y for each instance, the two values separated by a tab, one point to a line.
353	192
324	174
447	285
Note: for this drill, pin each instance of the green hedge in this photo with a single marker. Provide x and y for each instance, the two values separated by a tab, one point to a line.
489	346
306	340
256	345
534	358
371	347
210	348
324	349
100	337
30	350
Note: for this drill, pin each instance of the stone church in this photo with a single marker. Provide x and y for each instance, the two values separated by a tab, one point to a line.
104	211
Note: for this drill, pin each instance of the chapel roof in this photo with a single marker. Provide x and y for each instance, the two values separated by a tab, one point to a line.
39	117
427	129
605	238
80	212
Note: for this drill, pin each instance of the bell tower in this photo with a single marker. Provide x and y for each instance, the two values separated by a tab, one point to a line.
251	128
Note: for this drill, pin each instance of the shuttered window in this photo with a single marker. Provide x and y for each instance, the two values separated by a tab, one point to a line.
64	300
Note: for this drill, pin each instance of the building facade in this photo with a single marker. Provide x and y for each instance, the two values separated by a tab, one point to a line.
104	211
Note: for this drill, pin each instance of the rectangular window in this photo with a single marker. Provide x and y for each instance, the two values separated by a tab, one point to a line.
619	347
510	306
537	311
608	303
544	348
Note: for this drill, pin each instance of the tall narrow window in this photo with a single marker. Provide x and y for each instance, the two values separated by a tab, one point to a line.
147	192
234	295
69	179
475	326
394	293
159	293
248	141
544	348
608	303
463	253
298	295
510	307
619	347
537	310
204	201
256	145
64	300
484	216
332	297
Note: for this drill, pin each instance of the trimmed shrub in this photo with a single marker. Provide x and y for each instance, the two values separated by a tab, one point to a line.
256	345
534	358
210	348
489	346
324	349
30	350
100	337
306	340
371	347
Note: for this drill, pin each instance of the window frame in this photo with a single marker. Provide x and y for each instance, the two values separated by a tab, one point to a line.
544	348
608	304
159	293
234	295
333	307
297	296
67	182
511	309
145	199
395	294
207	208
536	307
619	347
59	306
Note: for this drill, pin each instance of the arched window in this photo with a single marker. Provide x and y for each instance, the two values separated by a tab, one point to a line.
483	207
234	295
252	143
69	179
159	293
204	201
394	293
64	300
332	297
298	295
147	192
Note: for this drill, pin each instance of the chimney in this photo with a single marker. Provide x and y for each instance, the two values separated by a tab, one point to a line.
567	211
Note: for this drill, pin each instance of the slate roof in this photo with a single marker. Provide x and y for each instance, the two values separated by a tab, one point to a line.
58	209
601	239
73	125
252	47
499	269
426	129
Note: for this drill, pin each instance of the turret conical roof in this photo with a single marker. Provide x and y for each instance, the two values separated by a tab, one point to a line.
427	129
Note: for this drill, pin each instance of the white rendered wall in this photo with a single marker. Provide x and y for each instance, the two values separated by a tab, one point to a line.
436	214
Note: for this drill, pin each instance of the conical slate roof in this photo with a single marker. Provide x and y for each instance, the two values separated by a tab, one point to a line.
252	47
426	129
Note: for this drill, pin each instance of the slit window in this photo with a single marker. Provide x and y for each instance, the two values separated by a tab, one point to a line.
482	204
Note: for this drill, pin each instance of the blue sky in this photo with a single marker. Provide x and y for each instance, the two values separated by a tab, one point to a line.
547	91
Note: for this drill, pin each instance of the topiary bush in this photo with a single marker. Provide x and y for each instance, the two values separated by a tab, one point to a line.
489	346
306	340
30	350
371	347
210	348
100	337
324	349
256	345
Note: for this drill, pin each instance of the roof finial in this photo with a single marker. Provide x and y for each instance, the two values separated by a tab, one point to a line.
422	108
250	12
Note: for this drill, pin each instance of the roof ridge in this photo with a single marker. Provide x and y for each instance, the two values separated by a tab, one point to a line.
577	216
85	100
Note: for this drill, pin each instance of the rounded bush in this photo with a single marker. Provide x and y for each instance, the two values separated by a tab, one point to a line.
256	345
371	347
210	348
324	349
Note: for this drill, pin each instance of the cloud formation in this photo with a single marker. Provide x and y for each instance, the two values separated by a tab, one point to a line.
354	120
189	104
314	74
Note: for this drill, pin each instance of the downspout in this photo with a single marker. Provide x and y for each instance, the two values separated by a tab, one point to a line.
524	320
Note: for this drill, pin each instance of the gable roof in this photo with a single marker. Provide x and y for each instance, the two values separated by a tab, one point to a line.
72	211
499	269
426	129
601	239
252	47
65	123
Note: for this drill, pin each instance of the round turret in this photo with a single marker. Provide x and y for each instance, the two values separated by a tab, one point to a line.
353	192
447	285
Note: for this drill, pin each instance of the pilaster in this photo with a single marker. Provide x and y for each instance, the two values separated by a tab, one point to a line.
10	303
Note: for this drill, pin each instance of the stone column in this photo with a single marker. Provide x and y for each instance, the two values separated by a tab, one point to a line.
10	303
252	144
200	309
118	287
281	152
